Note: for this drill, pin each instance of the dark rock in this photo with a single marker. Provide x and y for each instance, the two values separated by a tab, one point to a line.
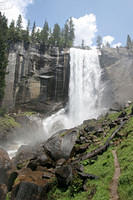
64	175
78	167
3	191
112	125
81	148
5	166
61	144
99	132
89	128
60	162
27	191
123	114
11	180
85	176
131	111
31	185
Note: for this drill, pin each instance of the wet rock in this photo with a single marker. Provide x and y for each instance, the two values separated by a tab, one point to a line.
89	128
85	176
112	125
31	185
28	191
11	180
61	144
41	160
5	166
99	132
123	114
3	191
60	162
81	148
64	175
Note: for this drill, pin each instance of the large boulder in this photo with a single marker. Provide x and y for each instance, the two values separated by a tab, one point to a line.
61	144
3	191
31	185
5	166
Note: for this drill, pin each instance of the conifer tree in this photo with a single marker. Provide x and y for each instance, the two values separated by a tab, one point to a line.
129	42
99	41
3	53
45	33
33	33
12	36
19	28
56	35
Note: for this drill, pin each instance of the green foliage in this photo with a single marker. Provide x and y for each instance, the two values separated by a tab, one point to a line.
99	41
76	185
3	53
44	35
2	111
125	156
129	42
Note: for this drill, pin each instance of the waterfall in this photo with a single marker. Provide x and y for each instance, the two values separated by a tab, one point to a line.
84	92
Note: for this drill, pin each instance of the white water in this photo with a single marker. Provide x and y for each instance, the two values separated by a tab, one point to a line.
84	92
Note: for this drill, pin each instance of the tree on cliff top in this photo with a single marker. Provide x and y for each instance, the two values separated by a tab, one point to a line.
129	42
3	53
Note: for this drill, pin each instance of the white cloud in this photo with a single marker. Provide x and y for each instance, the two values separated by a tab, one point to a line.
108	39
12	9
117	45
85	29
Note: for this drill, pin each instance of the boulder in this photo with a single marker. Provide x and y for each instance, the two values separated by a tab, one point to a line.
31	185
61	144
3	191
64	175
5	166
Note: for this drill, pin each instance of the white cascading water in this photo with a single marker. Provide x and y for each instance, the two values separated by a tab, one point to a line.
84	92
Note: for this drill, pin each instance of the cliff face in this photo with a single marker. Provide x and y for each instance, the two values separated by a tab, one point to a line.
40	81
117	67
36	79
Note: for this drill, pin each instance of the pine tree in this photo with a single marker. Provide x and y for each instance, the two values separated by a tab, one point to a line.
99	41
19	28
66	35
33	33
129	42
71	31
56	35
12	35
3	53
45	33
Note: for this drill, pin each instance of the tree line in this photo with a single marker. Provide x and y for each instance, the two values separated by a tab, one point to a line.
58	37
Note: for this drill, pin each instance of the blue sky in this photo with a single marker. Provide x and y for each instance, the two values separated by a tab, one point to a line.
113	17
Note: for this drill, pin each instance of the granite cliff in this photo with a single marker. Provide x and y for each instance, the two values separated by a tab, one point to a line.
36	80
40	81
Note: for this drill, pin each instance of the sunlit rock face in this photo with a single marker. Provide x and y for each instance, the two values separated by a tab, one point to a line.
117	65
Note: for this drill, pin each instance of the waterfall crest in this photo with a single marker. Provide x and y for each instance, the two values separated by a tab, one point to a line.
84	92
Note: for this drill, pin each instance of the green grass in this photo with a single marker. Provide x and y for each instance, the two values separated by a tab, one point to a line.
7	122
103	167
125	156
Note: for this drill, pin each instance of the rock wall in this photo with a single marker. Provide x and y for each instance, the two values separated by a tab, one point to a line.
40	81
117	67
36	80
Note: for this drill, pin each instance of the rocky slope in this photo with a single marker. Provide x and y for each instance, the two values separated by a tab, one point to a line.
78	166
